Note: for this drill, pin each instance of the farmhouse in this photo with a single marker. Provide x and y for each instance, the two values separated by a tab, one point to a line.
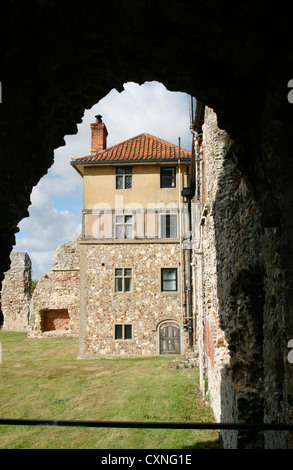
133	276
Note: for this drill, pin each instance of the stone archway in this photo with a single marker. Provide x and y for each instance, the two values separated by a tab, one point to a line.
230	70
52	68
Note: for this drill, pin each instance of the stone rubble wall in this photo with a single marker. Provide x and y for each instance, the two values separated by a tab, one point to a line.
67	256
15	295
56	293
145	308
242	303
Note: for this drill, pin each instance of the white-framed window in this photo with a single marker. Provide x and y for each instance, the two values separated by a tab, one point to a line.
124	226
123	332
124	177
169	280
123	280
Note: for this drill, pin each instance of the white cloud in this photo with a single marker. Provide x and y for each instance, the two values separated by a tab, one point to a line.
44	230
147	108
57	199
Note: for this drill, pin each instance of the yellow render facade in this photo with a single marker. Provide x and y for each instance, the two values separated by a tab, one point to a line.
146	200
100	186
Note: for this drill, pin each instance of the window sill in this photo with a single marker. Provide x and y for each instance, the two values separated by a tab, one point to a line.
169	292
111	241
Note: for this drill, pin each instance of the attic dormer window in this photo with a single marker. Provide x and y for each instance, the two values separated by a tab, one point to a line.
124	177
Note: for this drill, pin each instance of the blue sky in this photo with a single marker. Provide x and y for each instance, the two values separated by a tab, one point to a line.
56	201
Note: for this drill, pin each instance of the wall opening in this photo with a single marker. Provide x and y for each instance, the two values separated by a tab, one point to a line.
57	200
55	320
170	338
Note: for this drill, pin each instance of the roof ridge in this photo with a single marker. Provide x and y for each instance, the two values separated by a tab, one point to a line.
136	144
136	137
163	140
121	143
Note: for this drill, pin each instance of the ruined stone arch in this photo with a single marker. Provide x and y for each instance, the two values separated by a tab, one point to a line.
54	65
79	57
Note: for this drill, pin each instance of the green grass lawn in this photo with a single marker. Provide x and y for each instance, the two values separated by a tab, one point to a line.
43	379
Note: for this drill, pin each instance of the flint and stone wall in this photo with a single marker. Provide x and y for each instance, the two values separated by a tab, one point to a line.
240	299
54	307
145	308
15	295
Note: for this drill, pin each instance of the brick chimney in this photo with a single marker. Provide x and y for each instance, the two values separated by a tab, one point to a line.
99	135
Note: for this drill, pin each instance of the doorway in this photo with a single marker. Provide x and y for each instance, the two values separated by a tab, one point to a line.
169	334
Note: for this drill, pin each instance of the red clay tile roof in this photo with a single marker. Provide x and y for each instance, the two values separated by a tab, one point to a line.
142	147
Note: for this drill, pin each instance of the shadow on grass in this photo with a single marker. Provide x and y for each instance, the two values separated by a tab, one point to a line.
205	445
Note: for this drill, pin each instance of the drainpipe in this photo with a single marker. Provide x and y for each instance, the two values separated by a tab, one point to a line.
198	253
190	322
186	192
180	234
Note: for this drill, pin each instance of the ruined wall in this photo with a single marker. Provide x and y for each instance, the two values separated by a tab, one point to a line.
54	308
236	78
242	306
15	295
212	345
144	308
234	59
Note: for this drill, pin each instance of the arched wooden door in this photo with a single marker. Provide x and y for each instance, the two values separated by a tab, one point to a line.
169	334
